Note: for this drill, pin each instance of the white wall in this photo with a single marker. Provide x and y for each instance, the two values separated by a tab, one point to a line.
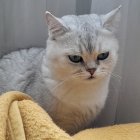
22	23
129	100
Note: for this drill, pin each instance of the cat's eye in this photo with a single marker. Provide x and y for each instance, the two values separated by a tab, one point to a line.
75	58
103	56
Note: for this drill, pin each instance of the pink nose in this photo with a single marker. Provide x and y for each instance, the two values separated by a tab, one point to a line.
91	71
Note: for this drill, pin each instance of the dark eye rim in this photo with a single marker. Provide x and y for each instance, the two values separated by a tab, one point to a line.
78	61
101	57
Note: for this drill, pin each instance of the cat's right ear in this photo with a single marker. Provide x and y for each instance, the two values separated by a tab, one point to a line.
55	26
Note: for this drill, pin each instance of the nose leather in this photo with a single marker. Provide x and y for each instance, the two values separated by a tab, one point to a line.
91	71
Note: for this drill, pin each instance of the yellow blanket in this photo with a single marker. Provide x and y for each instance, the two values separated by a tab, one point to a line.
23	119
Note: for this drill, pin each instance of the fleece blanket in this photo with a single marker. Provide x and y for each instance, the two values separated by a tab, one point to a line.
23	119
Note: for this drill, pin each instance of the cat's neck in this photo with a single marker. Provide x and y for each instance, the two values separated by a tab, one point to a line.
80	91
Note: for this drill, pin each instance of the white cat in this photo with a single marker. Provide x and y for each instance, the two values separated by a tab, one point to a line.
69	78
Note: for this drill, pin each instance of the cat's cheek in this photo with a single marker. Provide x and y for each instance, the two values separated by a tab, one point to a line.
99	74
62	71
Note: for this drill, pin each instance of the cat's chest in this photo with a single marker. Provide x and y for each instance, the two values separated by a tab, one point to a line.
75	106
78	104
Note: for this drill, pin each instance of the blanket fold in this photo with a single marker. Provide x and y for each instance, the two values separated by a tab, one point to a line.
23	119
5	104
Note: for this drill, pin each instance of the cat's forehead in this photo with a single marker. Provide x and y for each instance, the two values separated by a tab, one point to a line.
84	22
87	35
87	41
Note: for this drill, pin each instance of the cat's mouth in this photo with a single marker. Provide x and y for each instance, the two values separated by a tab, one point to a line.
91	77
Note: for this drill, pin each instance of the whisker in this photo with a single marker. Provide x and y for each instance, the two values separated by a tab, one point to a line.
80	74
75	75
59	84
77	71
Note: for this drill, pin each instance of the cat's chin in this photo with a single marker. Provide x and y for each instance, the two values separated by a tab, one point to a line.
94	78
91	78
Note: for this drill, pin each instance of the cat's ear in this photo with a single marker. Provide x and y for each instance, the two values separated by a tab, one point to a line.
111	20
55	26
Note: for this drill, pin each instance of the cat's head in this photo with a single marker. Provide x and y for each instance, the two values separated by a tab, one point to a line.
82	47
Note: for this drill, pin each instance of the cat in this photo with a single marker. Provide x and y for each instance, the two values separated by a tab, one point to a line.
70	77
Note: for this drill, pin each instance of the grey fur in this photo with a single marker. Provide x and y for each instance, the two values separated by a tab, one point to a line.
37	72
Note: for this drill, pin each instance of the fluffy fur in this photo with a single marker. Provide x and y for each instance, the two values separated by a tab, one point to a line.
60	86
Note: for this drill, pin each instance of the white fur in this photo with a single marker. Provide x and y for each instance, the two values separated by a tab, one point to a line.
60	86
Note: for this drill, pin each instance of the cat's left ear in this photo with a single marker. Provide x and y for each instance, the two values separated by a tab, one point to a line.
111	20
55	26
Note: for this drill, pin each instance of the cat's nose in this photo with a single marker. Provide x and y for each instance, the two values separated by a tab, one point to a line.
91	71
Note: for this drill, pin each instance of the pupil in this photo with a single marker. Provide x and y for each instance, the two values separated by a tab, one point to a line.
103	55
76	57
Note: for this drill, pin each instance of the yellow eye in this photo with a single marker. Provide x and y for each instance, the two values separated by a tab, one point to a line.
103	56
